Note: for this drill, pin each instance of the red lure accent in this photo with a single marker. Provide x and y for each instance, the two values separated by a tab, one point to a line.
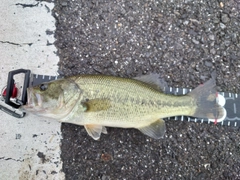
14	93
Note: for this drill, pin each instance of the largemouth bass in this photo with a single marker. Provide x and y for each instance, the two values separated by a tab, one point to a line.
96	101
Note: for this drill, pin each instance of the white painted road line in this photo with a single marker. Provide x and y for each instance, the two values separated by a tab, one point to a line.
29	146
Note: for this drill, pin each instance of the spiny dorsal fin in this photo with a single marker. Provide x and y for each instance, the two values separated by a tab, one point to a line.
154	81
155	130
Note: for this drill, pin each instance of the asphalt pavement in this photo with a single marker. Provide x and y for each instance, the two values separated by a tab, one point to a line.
183	41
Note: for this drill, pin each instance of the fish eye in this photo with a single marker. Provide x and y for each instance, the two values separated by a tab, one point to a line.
43	87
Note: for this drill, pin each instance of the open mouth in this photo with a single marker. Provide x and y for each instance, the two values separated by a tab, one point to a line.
30	99
33	99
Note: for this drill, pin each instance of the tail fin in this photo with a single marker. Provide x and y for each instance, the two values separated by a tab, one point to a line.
205	96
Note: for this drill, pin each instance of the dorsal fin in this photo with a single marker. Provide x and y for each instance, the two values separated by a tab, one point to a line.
154	81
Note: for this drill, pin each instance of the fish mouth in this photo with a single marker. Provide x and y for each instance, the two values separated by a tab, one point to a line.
34	100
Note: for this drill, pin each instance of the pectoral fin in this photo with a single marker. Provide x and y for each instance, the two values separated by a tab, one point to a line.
95	130
94	105
155	130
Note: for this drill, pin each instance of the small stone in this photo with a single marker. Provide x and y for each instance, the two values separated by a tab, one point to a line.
227	42
104	177
213	51
221	4
186	22
223	26
238	74
203	78
208	63
225	18
147	54
211	37
197	67
123	11
130	18
64	3
233	57
195	41
234	37
216	20
178	46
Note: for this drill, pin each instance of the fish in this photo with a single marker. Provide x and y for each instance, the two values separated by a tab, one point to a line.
100	101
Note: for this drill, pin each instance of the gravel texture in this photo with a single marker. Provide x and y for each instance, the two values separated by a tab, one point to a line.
184	41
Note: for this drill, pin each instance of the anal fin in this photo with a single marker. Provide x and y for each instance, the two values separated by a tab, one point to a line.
155	130
95	130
